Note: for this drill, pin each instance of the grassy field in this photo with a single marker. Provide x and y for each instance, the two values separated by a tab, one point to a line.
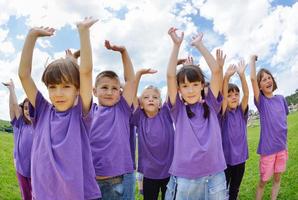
289	187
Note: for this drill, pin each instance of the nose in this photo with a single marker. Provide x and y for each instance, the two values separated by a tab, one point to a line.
190	89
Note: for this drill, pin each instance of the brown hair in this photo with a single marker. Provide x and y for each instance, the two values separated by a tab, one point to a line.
62	71
193	73
27	121
261	74
233	88
107	73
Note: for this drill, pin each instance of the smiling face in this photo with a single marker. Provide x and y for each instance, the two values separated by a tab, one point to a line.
190	80
151	101
191	91
266	82
233	96
63	95
107	91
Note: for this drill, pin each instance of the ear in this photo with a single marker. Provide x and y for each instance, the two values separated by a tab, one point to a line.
94	91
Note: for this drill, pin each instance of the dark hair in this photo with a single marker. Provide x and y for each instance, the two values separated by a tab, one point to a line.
62	71
193	73
27	121
233	88
261	74
108	73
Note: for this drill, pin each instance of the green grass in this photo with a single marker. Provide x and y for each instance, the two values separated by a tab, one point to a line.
289	185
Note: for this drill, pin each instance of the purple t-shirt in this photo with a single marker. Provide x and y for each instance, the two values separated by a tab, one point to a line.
273	120
61	156
23	139
109	139
234	138
197	142
155	142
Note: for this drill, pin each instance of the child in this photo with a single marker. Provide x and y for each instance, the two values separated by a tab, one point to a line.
61	157
110	131
233	119
273	110
198	164
23	138
155	139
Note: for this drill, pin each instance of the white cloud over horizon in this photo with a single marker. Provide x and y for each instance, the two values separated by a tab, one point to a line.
240	28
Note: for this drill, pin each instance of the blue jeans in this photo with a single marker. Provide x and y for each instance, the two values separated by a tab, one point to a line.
111	189
129	183
211	187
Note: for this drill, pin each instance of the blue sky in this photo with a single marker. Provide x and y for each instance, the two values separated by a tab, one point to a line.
240	28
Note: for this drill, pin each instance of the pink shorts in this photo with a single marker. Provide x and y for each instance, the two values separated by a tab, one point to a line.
274	163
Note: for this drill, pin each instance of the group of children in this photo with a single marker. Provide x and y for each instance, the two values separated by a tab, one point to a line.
192	146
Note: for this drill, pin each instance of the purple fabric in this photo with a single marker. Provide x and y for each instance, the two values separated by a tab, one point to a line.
273	120
61	156
155	143
234	136
23	139
197	145
110	134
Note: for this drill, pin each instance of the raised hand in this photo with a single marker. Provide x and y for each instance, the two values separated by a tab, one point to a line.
181	61
147	71
241	67
41	31
253	58
231	70
197	39
175	38
189	61
220	58
73	56
9	85
86	23
109	46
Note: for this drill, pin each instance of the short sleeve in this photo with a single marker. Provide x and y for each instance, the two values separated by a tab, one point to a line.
124	106
285	105
135	118
174	109
41	105
213	102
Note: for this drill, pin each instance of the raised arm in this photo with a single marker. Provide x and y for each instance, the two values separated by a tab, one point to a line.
241	72
26	61
220	59
14	110
136	84
86	64
129	74
253	77
73	56
229	73
172	65
215	71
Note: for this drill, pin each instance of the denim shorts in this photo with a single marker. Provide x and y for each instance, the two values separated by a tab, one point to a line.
112	188
211	187
129	183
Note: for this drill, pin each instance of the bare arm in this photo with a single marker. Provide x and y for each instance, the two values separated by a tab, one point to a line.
229	73
253	77
172	65
129	74
26	61
14	110
86	64
137	81
220	59
241	72
215	71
